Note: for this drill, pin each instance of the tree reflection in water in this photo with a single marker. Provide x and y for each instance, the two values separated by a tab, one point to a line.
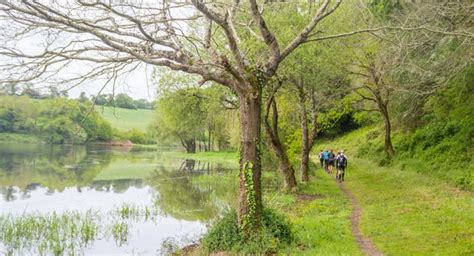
72	178
179	197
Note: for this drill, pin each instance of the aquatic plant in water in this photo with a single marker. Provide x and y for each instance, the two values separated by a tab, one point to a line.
45	234
70	232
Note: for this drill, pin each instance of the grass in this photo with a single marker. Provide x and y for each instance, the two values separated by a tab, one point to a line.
127	119
55	234
71	232
19	138
321	223
406	212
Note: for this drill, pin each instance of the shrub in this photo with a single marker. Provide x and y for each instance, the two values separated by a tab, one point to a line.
224	235
465	181
136	136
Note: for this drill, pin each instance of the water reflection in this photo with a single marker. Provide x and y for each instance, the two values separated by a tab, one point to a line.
38	182
181	199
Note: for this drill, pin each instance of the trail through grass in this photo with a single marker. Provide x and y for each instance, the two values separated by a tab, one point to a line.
405	212
320	215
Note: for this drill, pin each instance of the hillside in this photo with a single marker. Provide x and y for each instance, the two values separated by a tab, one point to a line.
408	202
438	160
51	120
127	119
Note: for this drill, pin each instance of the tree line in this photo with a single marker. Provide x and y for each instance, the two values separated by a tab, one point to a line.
56	120
198	118
121	100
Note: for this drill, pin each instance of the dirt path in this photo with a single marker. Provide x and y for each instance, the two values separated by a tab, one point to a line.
364	243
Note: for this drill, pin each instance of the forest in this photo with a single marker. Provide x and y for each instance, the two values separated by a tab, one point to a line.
248	93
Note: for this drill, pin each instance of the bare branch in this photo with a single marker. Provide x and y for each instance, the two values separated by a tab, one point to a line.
371	30
302	37
267	35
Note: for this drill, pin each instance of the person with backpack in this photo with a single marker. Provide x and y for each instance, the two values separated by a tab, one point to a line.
321	158
341	164
331	158
326	160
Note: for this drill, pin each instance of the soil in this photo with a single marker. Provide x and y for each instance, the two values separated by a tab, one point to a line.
364	243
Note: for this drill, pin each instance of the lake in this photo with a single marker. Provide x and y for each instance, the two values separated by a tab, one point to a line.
89	200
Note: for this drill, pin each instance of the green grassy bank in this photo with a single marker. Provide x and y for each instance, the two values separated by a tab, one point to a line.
408	211
320	214
127	119
19	138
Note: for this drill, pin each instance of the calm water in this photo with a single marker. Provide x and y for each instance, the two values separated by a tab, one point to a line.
138	202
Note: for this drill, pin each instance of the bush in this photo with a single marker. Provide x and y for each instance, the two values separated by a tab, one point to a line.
465	180
56	120
136	136
224	235
441	148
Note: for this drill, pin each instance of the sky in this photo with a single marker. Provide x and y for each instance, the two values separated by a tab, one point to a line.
137	83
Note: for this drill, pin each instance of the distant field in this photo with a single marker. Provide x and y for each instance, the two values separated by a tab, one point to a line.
126	119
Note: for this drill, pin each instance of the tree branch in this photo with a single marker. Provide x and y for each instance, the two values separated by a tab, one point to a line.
302	37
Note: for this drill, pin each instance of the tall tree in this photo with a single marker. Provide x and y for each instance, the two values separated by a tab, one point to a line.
271	128
374	85
122	100
181	115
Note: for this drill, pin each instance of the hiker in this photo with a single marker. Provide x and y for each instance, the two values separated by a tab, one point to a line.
341	164
321	158
331	158
326	159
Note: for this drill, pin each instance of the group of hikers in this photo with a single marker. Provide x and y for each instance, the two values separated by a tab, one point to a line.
328	160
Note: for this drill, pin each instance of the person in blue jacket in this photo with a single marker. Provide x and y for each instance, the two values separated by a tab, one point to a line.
326	159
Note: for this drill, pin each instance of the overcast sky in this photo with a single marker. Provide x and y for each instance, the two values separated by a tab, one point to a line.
138	85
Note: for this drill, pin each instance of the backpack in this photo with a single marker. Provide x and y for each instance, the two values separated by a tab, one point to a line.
342	161
325	155
331	156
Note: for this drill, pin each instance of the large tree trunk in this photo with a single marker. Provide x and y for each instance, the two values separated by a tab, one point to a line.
285	167
307	136
305	150
388	147
209	140
250	193
189	145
